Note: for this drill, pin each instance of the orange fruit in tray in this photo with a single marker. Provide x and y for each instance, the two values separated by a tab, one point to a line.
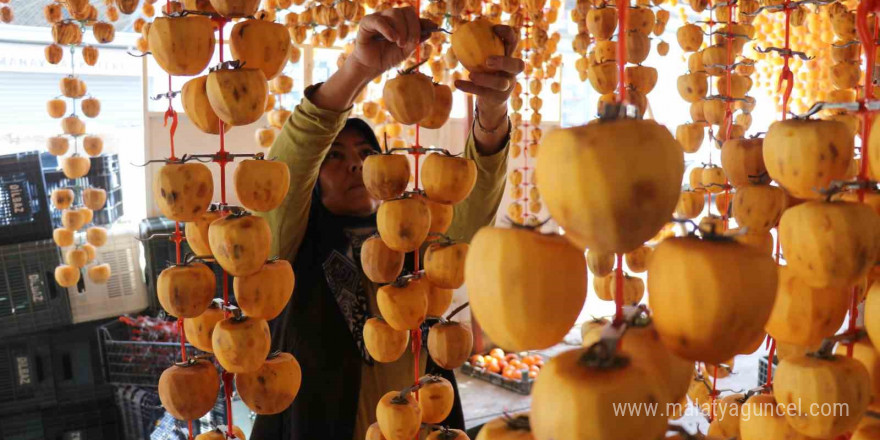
497	353
493	366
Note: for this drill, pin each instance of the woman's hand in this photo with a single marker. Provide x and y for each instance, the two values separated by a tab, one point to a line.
493	90
384	40
387	38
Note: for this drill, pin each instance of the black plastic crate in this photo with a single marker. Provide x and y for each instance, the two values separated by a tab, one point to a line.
140	410
763	362
30	299
24	426
137	354
24	203
523	386
76	365
143	417
26	380
96	420
159	253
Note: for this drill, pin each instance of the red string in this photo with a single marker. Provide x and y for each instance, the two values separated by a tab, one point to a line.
222	158
171	113
786	74
416	155
868	45
728	113
416	336
182	339
526	125
618	291
621	49
177	238
770	357
227	391
714	393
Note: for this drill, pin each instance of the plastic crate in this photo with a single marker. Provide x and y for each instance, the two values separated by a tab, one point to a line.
104	173
76	365
25	426
523	386
96	420
159	253
140	411
133	355
124	292
763	362
24	203
143	417
30	300
26	380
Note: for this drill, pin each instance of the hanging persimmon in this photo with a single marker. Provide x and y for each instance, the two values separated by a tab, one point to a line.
240	243
473	42
440	109
399	415
236	8
504	269
260	44
273	387
436	398
237	95
183	191
384	343
690	275
409	96
807	155
592	390
241	344
765	420
261	185
380	263
743	161
822	381
830	244
196	232
573	162
606	287
444	264
99	273
386	176
200	329
194	97
265	293
189	390
600	263
404	304
182	46
758	207
403	223
186	290
450	344
66	275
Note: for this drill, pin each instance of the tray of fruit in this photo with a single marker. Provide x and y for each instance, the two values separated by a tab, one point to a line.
512	371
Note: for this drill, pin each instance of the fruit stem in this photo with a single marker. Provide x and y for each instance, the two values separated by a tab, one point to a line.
456	310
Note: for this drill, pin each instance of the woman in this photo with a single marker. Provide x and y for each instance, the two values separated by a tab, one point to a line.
328	213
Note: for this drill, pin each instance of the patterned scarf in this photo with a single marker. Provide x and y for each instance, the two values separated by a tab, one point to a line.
348	284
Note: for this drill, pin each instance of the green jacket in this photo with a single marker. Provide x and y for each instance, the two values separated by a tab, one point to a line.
304	142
